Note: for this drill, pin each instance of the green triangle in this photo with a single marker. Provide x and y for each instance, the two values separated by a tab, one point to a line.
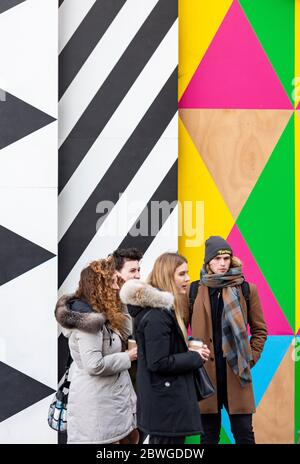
297	390
274	24
267	222
192	440
224	440
196	439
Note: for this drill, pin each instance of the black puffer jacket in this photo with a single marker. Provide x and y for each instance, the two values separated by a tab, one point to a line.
167	403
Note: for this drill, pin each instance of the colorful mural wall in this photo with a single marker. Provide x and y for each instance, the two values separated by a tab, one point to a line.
239	158
238	171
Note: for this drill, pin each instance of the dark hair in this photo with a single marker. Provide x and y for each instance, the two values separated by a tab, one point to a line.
121	255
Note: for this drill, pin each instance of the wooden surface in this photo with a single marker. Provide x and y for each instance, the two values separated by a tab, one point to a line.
235	146
273	421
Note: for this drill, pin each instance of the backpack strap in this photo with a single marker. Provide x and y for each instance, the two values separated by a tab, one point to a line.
246	293
192	296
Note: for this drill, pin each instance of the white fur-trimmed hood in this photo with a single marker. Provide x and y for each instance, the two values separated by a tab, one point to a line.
138	293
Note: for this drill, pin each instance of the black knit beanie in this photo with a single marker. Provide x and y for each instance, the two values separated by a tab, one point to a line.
214	246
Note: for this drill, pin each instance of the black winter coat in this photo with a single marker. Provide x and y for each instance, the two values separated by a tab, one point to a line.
166	396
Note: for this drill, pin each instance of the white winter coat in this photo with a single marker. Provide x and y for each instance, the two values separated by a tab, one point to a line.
102	402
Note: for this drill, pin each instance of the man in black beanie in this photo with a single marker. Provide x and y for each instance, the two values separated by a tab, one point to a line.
215	246
223	305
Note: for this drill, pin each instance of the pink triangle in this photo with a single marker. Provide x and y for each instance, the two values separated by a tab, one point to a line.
275	319
235	72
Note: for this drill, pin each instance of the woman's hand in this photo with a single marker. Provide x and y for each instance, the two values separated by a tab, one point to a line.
132	353
204	352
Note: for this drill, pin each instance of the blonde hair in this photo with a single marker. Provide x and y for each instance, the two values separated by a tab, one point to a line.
162	277
234	262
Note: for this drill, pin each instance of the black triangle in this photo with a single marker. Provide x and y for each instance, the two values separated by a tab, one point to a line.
18	119
18	391
18	255
7	4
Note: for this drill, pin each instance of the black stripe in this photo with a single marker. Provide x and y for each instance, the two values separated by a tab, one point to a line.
114	89
7	4
63	354
85	39
118	176
168	191
60	2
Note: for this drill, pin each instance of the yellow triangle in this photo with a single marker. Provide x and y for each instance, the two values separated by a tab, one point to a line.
297	53
297	213
203	209
199	21
235	146
274	419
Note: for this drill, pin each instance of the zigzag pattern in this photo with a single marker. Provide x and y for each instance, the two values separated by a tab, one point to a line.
28	218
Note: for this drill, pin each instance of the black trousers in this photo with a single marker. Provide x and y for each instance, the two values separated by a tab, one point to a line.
241	428
160	440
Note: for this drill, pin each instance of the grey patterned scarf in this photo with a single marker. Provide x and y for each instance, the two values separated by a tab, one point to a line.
235	341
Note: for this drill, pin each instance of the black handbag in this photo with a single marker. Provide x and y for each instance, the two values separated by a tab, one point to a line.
204	387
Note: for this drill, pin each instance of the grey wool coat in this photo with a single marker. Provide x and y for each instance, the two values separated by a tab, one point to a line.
102	402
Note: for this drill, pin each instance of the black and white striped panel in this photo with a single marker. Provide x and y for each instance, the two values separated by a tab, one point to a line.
118	130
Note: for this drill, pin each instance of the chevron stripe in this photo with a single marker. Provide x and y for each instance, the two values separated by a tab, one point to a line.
160	161
101	62
7	4
165	240
93	167
165	193
71	14
88	34
140	143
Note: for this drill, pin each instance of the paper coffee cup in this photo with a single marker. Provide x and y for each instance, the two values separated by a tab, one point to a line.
195	344
131	343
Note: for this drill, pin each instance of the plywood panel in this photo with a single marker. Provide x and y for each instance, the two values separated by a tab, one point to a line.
235	146
274	419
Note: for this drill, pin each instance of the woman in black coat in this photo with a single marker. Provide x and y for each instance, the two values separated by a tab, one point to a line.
167	406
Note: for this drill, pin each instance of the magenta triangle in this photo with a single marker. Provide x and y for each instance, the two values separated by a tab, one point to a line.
235	72
275	319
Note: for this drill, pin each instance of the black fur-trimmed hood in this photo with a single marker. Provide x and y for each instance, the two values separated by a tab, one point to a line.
138	293
68	318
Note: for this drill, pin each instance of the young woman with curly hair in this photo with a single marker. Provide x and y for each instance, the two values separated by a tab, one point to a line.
102	402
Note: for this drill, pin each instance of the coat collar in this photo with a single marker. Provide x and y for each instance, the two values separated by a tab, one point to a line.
90	322
137	293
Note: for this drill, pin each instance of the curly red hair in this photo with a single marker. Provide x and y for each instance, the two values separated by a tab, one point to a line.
95	287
